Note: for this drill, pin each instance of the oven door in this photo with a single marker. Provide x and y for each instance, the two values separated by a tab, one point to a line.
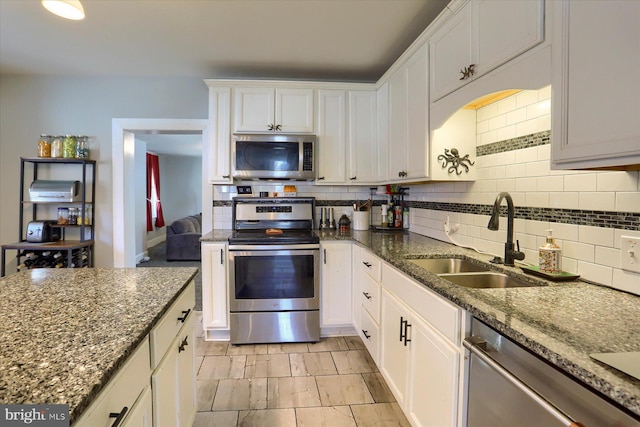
274	278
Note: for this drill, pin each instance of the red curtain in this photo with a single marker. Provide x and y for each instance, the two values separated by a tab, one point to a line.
153	172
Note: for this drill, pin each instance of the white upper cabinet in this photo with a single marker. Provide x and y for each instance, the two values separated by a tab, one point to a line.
331	146
263	109
218	151
408	119
482	35
382	119
596	89
364	166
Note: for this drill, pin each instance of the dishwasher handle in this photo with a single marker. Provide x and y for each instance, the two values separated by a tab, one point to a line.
477	346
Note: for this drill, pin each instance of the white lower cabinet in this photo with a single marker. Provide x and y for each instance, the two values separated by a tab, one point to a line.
419	362
140	414
215	309
366	299
335	284
173	382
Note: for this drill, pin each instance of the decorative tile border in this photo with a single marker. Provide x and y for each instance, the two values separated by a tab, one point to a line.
532	140
604	219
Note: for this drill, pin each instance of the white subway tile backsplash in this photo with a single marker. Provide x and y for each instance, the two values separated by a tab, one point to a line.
544	93
526	97
487	112
596	235
506	132
538	168
580	182
516	116
498	122
526	155
628	202
565	231
597	201
617	181
570	264
527	127
579	251
539	109
595	272
506	105
551	184
626	281
526	184
563	200
607	256
538	200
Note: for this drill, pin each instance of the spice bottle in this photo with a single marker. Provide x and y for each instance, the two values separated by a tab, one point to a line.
550	255
82	147
44	146
405	218
397	217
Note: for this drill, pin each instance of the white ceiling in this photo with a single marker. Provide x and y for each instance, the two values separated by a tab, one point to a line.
346	40
334	40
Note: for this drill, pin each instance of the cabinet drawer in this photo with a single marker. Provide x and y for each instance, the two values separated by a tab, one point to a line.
167	328
122	390
371	264
370	334
440	313
371	297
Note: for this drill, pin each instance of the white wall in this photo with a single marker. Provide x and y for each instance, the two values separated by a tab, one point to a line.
31	105
180	186
140	206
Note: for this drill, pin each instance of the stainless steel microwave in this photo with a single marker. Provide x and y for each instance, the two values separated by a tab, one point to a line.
273	156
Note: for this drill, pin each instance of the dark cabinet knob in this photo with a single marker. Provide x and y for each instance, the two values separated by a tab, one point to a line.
185	315
366	335
366	264
366	295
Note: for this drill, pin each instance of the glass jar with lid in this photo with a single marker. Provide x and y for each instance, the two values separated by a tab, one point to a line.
82	147
69	147
56	146
44	146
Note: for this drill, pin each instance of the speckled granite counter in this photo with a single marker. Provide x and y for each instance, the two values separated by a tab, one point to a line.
66	332
561	322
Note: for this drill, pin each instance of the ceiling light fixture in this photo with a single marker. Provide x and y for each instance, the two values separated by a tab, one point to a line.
69	9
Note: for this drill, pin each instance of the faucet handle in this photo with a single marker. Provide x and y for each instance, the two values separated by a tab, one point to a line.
517	254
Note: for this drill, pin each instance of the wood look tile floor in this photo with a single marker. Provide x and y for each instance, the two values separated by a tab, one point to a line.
332	383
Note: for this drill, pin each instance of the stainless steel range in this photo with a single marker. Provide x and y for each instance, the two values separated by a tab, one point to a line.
274	271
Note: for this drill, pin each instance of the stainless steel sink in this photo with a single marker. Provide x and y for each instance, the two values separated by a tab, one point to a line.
447	265
487	279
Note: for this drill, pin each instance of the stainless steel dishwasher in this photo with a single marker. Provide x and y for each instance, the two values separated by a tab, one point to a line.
508	386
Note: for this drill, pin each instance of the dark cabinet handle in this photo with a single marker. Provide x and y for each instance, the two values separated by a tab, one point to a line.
185	315
366	295
184	343
353	178
324	256
278	128
221	256
119	416
320	178
401	328
407	325
367	336
226	176
366	264
270	127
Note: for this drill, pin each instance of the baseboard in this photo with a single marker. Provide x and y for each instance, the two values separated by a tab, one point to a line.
337	331
217	335
156	240
142	256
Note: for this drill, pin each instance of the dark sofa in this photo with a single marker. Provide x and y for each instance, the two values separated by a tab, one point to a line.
183	239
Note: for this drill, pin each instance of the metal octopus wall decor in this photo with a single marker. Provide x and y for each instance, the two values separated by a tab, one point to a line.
456	162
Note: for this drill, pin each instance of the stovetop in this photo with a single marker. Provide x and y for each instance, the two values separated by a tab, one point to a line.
260	237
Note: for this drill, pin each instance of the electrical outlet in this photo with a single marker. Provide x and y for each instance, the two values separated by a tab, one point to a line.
630	253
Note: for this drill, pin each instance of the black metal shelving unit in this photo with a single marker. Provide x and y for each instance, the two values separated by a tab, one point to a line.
74	252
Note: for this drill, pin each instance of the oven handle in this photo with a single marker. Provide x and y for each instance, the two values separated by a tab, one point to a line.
273	247
475	344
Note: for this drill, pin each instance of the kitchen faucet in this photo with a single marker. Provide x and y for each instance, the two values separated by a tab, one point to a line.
494	222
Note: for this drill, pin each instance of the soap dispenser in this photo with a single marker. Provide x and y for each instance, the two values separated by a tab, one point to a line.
550	259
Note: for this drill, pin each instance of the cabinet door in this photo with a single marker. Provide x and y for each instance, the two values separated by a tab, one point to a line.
417	163
397	124
294	110
433	378
356	284
451	50
363	146
596	52
382	121
254	109
332	143
335	276
140	413
218	152
164	385
394	354
186	374
215	313
505	29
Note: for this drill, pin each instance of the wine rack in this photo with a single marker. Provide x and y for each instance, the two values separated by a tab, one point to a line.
72	258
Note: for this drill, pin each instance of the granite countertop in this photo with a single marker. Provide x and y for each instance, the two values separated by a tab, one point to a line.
562	322
66	332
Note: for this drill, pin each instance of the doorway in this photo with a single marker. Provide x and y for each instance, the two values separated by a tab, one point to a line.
124	133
